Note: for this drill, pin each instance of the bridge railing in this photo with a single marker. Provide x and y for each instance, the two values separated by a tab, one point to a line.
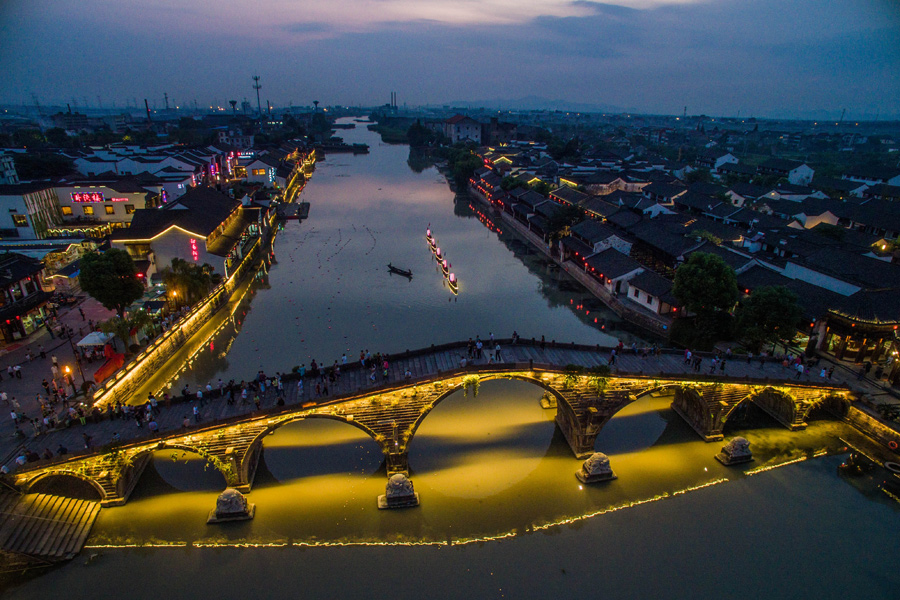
398	384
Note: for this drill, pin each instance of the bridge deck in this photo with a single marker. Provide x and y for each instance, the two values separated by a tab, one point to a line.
423	365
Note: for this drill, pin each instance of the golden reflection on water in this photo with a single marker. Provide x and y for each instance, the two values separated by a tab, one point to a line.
485	468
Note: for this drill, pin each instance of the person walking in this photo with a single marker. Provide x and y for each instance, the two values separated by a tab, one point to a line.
497	353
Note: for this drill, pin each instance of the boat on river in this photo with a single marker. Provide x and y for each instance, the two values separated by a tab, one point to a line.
398	271
453	282
445	267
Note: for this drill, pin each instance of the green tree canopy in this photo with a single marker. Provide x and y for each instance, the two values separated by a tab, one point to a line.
122	327
705	285
559	222
111	278
769	315
419	135
191	282
698	175
462	162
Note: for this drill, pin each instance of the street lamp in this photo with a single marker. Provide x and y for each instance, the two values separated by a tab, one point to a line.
71	380
76	355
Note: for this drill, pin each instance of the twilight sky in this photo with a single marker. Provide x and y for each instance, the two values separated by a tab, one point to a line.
719	57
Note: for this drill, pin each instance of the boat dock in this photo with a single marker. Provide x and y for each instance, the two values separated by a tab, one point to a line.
298	211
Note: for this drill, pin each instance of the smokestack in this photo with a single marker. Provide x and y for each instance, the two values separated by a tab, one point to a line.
69	107
147	106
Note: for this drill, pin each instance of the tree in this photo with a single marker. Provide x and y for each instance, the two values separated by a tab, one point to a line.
559	222
191	282
419	135
542	187
702	234
122	327
462	162
706	286
698	175
111	278
510	183
769	315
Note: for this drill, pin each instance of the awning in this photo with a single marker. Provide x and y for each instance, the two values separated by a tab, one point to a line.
95	338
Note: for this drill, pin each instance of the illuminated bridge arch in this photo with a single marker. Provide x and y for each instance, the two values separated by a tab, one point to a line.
61	475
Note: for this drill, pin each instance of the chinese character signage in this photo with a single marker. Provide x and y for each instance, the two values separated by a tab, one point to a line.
195	253
87	197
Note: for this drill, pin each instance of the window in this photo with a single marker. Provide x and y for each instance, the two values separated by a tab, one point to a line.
649	299
88	210
129	209
637	293
259	171
67	211
110	210
20	220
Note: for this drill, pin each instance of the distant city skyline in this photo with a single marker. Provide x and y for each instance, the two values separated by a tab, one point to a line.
766	58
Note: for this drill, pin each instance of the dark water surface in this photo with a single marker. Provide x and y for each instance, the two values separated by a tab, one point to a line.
330	291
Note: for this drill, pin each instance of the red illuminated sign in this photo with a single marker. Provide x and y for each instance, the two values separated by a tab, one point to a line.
87	197
195	253
118	199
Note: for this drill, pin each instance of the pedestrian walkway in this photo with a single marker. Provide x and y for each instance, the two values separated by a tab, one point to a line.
355	378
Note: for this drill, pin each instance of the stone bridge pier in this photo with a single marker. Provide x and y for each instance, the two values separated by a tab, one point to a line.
392	414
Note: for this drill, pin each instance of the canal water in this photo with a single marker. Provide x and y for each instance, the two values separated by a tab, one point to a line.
329	291
502	514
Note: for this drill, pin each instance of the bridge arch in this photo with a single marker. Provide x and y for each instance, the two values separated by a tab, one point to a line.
256	444
49	477
483	377
165	445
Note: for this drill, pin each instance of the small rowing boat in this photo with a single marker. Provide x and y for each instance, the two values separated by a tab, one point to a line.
402	272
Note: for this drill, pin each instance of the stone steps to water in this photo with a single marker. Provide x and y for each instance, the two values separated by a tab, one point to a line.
45	526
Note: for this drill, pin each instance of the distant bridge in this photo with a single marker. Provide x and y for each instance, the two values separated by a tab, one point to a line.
391	412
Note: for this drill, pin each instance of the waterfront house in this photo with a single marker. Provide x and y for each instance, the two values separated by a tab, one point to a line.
94	207
22	297
873	175
652	292
28	210
713	159
203	226
612	269
797	173
460	128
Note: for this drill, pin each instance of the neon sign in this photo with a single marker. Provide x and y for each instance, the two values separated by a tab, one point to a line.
195	252
87	197
118	199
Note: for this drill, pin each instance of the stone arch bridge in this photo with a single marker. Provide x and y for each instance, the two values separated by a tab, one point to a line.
391	416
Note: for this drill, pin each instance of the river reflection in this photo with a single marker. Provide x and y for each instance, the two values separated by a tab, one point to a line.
329	292
484	466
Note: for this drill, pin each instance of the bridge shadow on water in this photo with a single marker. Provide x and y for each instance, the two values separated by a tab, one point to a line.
161	478
285	464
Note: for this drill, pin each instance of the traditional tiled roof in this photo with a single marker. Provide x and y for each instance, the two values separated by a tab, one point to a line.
612	264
